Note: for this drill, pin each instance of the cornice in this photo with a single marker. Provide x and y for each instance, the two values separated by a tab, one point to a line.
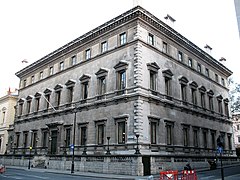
138	13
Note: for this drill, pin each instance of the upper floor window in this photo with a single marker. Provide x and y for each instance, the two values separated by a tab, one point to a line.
61	66
37	103
58	89
84	83
83	134
68	137
41	75
32	79
73	60
195	137
194	86
199	68
123	38
153	74
216	77
190	62
3	116
180	56
151	39
165	48
121	132
51	70
213	139
169	133
46	96
121	82
153	132
29	102
226	109
223	82
186	135
104	46
24	83
202	91
207	72
88	54
70	90
101	76
183	82
210	100
168	85
100	133
205	138
219	100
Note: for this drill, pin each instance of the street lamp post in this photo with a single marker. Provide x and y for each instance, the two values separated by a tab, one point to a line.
137	149
108	151
30	149
73	144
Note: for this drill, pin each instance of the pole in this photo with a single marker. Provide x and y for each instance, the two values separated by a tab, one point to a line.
73	144
30	149
137	149
222	173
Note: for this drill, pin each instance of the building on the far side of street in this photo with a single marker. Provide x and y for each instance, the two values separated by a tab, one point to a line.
7	114
236	129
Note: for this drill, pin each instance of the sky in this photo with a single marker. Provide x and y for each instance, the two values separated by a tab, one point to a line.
31	29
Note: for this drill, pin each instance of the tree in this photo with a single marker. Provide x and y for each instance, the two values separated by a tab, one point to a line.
234	95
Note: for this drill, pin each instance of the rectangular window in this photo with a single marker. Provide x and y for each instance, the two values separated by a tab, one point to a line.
194	96
190	62
24	83
169	134
226	109
164	48
20	109
229	142
44	139
185	136
3	116
51	70
101	85
85	90
238	127
210	99
199	68
223	82
151	39
184	92
167	86
58	98
153	80
41	75
34	143
220	110
61	66
37	104
123	38
70	94
213	140
47	97
195	138
68	137
29	106
83	135
153	133
205	138
239	139
87	54
100	134
25	139
121	132
207	72
203	103
73	60
180	56
121	80
17	139
216	77
32	79
104	47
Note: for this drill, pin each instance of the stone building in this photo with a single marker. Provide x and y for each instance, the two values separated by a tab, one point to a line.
236	129
7	113
131	85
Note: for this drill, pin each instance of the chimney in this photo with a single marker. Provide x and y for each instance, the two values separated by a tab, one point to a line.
208	49
222	59
169	20
9	91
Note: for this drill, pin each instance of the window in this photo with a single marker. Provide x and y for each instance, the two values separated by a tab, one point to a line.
29	106
84	90
51	70
153	80
68	137
205	138
83	135
35	139
216	77
226	109
123	38
37	103
186	136
199	68
203	103
207	72
20	108
121	132
229	141
24	83
87	54
184	92
61	66
195	137
165	48
3	116
100	134
169	136
190	62
17	139
194	96
239	139
238	127
168	86
101	85
220	110
32	79
210	100
104	47
121	80
25	139
45	138
73	60
58	98
70	94
213	139
47	98
153	132
223	82
180	56
41	75
151	39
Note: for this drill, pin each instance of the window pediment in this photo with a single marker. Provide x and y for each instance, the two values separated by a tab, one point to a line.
167	73
102	72
202	89
121	65
70	83
226	100
21	101
58	87
48	91
85	77
29	98
219	97
153	66
38	94
210	92
193	84
4	109
183	80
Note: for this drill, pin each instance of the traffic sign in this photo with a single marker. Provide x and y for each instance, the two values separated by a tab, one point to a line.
72	146
219	150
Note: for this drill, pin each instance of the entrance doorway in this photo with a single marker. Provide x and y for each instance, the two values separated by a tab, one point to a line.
54	142
146	165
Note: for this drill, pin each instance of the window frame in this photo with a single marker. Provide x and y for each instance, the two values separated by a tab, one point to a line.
122	38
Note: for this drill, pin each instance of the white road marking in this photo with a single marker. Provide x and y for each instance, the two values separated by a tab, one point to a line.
39	177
